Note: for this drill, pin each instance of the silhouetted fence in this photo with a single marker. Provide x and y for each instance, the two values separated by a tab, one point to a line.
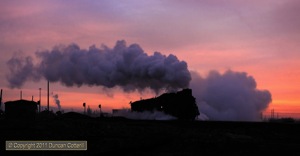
280	115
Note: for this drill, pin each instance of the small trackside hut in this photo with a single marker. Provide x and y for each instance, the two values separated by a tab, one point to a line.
21	109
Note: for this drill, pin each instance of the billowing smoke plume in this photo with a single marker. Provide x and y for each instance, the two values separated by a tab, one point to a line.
126	66
230	96
56	100
21	69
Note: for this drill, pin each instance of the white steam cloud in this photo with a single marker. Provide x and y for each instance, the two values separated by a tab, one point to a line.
127	67
230	96
56	100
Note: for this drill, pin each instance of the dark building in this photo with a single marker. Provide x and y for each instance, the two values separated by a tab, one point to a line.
181	104
21	109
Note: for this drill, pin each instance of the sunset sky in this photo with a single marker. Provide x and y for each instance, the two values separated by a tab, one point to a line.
260	38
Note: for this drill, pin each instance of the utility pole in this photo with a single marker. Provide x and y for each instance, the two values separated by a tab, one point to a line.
272	114
48	97
21	95
0	98
40	89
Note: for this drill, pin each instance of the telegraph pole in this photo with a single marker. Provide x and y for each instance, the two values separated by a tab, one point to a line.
40	89
48	96
0	98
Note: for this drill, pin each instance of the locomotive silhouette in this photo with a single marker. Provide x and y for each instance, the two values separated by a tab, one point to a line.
181	104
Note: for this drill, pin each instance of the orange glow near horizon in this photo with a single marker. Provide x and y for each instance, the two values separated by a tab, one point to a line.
283	85
74	100
246	37
284	104
280	77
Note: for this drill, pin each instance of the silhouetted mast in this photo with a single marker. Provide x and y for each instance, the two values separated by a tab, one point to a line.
0	98
21	95
272	114
48	96
40	103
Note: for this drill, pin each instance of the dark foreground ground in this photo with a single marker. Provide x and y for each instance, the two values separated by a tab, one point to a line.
117	136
